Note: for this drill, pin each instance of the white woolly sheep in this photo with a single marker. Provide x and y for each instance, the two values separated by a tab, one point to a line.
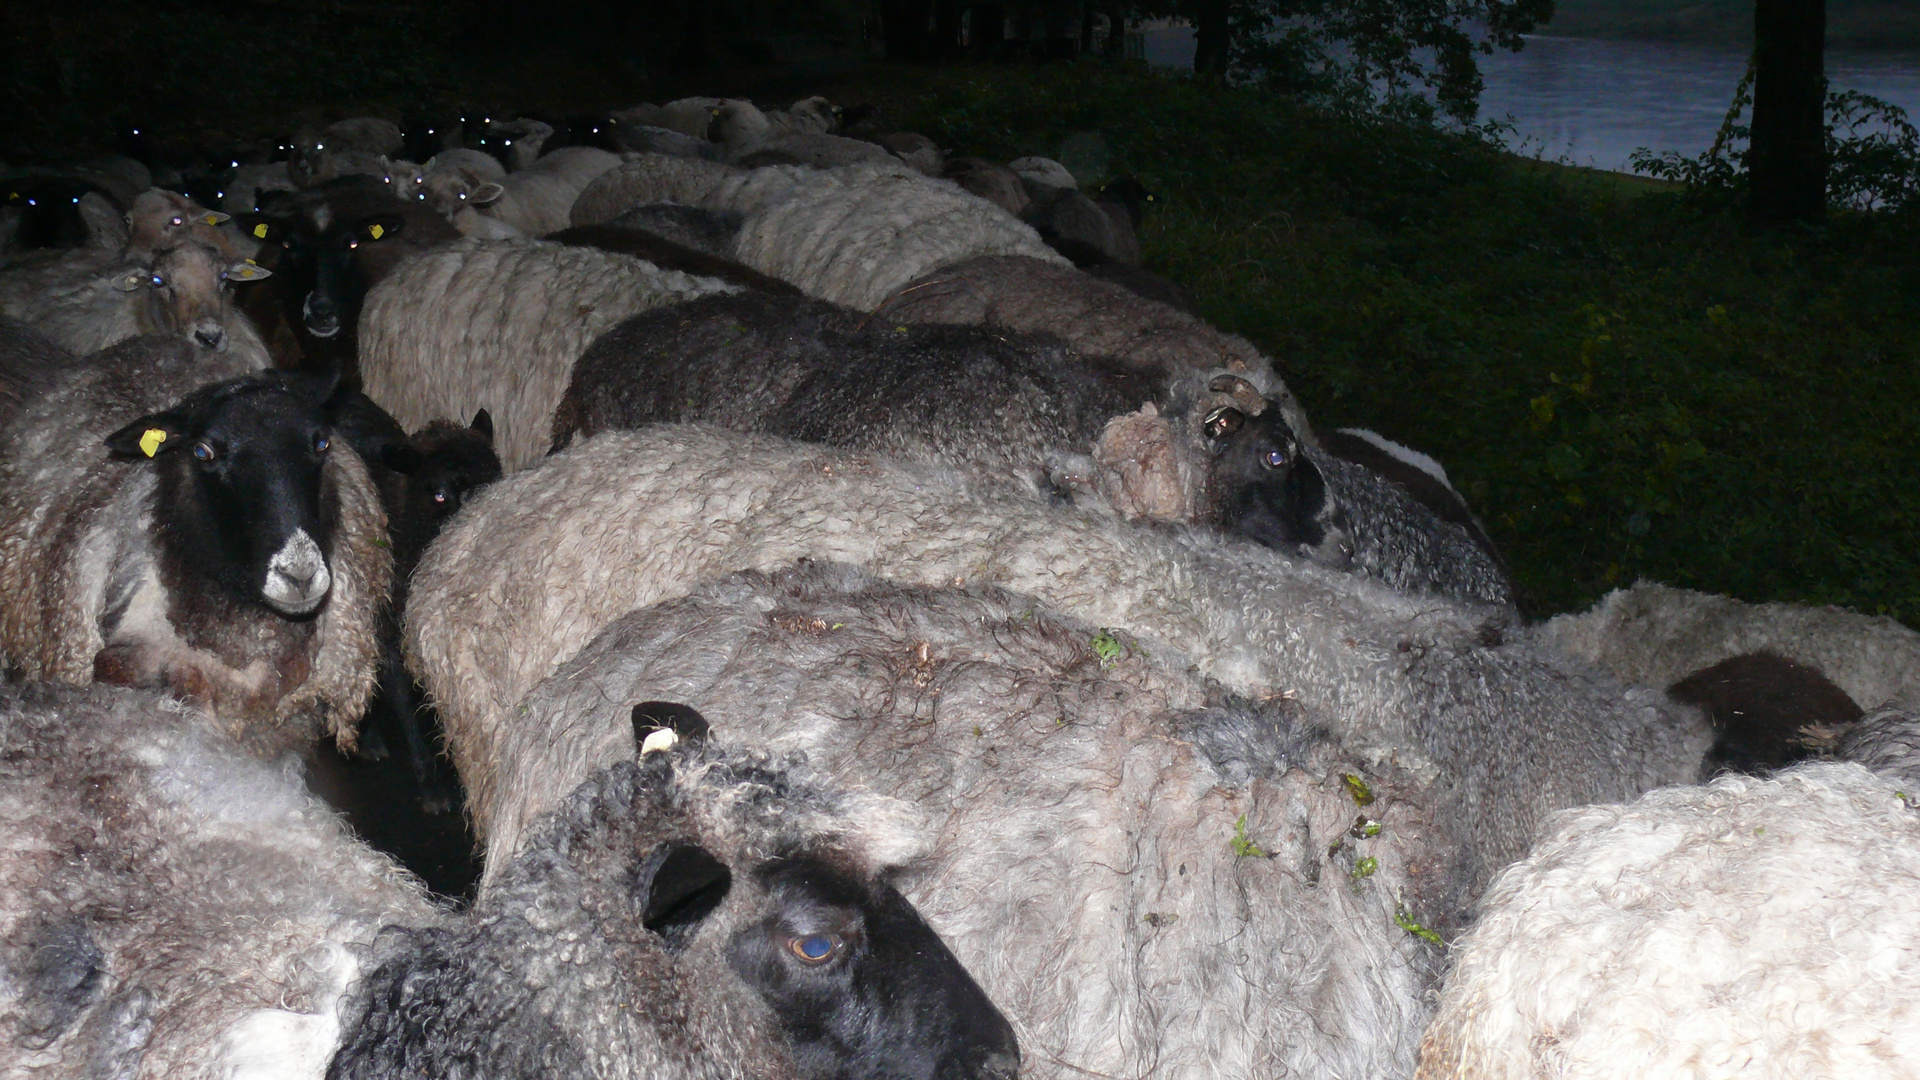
645	179
448	179
497	325
1657	635
1887	741
1102	820
160	219
856	235
1766	928
87	300
532	569
1044	172
697	916
536	200
160	531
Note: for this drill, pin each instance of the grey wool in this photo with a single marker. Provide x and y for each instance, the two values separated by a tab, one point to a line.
172	907
531	570
497	325
81	571
87	299
1152	877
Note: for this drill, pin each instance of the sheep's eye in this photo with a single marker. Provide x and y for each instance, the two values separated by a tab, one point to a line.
1274	459
159	282
439	495
814	949
320	444
203	452
178	221
463	196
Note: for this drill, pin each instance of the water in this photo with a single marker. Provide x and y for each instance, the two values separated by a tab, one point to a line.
1593	102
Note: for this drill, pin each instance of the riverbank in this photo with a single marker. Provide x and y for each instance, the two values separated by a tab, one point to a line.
1623	383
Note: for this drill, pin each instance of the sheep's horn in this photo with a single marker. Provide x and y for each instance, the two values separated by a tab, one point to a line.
1244	394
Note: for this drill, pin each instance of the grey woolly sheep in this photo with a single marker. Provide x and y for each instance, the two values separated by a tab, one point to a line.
1096	317
740	126
530	570
635	136
516	144
160	219
689	116
538	199
644	179
815	152
1749	927
29	363
1004	407
649	245
856	235
243	187
918	151
1044	172
695	916
87	300
1657	635
991	181
215	546
1887	741
711	231
1102	820
497	325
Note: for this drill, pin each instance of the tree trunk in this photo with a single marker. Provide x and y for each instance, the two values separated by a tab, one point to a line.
1210	44
1086	27
1787	156
1116	32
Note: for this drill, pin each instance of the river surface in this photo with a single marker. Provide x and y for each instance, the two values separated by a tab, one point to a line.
1593	102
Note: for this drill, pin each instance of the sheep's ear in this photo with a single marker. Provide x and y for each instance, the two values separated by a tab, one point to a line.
151	436
677	888
483	423
382	227
1223	422
658	725
246	271
486	194
215	217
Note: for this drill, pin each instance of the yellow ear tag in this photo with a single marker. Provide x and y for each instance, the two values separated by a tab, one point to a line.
376	231
260	230
150	442
211	220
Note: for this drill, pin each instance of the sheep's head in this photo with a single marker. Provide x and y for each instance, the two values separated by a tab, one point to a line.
747	895
407	181
161	219
245	497
1264	484
186	295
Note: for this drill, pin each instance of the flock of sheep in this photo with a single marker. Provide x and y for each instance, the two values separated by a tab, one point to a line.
879	632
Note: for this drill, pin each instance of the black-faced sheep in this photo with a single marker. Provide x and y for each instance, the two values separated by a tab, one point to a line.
497	325
1005	407
1151	877
1276	489
327	247
530	570
1749	927
87	300
159	531
171	908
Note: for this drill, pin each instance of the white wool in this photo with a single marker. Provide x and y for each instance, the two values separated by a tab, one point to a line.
1402	453
1763	928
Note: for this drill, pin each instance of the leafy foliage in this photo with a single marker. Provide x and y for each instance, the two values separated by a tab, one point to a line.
1623	383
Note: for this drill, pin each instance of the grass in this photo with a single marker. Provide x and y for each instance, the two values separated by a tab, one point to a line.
1624	382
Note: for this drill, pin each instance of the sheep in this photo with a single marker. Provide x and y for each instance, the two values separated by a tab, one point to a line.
246	185
740	126
1888	742
1044	173
648	178
991	181
344	148
1085	809
1004	407
328	246
160	219
634	136
525	575
1275	489
497	325
650	245
1658	635
814	151
29	363
917	151
449	178
1752	927
516	144
88	300
1096	317
58	208
700	229
856	235
689	116
237	559
697	915
536	200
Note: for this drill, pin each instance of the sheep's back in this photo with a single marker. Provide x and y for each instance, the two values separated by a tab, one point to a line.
497	325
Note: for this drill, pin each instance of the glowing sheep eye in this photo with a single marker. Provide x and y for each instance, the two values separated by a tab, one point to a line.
320	444
319	146
178	221
159	282
202	452
439	495
814	949
463	196
1274	459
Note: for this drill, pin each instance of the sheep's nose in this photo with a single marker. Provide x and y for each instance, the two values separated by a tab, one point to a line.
211	337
